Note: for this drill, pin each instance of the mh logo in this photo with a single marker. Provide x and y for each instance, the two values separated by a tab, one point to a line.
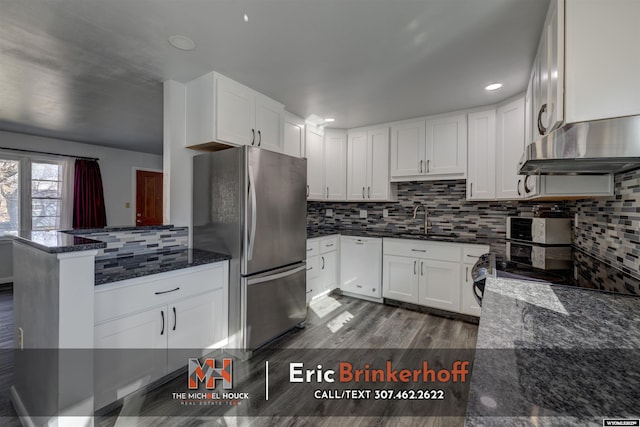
209	372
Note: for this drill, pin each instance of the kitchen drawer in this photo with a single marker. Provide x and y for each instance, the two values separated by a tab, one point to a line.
313	247
470	254
313	267
133	295
329	244
424	250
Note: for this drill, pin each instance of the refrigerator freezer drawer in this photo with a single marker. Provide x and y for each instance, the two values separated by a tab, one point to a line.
275	303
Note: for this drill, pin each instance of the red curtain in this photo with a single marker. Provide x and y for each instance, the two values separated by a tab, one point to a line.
88	196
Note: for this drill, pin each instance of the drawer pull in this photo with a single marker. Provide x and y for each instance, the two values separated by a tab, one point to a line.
359	286
309	291
166	292
419	250
329	245
472	256
162	315
175	318
310	268
309	249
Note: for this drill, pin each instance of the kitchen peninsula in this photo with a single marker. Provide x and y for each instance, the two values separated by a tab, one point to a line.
111	288
554	355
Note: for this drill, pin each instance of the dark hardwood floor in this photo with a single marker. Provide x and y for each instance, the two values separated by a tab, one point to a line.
334	322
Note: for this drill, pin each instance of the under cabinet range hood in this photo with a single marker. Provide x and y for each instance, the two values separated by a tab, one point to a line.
585	148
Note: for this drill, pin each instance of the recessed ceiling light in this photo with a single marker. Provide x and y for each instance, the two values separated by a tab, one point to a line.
329	120
246	18
182	42
494	86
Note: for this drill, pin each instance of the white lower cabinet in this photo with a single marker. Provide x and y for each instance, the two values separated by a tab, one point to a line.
322	265
432	274
148	327
439	285
361	267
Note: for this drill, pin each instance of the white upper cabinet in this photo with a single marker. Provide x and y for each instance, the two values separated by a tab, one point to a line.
368	165
446	146
335	164
269	123
602	64
315	162
481	178
585	68
326	152
435	148
407	149
293	135
221	110
510	131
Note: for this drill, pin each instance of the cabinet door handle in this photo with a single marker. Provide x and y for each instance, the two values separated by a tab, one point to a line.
175	318
307	190
418	250
253	136
327	192
471	195
363	192
322	262
369	192
518	187
166	292
541	129
527	190
467	273
415	262
259	138
162	316
428	165
420	166
421	268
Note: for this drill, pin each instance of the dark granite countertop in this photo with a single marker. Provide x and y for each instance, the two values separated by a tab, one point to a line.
432	237
123	268
554	355
56	241
113	228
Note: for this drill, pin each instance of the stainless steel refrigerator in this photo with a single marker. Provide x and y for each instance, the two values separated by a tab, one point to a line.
251	204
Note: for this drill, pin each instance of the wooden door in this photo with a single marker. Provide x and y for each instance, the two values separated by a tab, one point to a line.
148	198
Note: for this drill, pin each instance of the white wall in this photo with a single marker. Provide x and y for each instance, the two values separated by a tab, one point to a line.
178	160
116	167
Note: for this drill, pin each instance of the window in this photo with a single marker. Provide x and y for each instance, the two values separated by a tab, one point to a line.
33	193
9	194
46	195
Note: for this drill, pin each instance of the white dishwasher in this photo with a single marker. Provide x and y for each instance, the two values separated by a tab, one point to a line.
361	267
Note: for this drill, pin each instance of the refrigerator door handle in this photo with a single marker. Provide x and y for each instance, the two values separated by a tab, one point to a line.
252	234
275	276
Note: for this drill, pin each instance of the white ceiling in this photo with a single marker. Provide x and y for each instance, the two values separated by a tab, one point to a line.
92	70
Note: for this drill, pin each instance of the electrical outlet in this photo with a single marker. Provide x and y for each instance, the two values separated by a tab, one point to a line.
575	220
20	339
328	212
127	205
385	213
363	213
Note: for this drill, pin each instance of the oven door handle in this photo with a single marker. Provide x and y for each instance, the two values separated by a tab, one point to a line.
476	289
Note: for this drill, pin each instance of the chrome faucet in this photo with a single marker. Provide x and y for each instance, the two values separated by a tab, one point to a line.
426	217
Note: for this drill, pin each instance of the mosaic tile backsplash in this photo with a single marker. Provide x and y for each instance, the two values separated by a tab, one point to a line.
136	242
449	212
609	227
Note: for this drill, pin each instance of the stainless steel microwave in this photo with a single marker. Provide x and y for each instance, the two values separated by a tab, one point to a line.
544	231
542	257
